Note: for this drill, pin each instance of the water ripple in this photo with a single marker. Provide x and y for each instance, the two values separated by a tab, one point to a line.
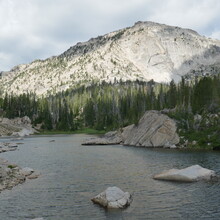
72	174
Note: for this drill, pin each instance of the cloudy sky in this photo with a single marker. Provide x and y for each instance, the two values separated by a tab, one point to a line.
38	29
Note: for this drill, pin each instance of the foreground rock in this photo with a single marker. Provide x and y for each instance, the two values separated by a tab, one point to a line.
189	174
16	127
153	130
11	175
113	197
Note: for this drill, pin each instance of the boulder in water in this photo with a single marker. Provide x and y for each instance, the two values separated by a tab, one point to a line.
113	197
38	219
189	174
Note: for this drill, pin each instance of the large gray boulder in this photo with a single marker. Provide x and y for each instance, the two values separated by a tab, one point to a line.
189	174
153	130
113	197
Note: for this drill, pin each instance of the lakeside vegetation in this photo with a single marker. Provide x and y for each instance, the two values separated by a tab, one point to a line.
98	108
81	131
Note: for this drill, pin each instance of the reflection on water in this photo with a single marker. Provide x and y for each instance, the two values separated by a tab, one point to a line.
72	174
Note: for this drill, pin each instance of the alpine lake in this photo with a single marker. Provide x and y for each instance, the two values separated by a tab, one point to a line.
71	174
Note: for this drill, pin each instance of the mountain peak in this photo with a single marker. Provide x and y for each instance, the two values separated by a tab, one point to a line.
145	51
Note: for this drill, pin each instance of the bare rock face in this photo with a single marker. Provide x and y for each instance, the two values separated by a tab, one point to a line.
189	174
16	127
113	197
153	130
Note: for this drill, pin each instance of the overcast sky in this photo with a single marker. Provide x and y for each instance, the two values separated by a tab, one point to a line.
38	29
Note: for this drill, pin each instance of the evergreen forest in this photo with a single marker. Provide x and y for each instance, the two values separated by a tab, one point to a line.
194	104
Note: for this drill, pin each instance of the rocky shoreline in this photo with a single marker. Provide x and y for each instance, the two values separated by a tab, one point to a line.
11	174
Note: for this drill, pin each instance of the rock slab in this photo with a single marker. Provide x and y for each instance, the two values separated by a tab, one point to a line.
113	197
189	174
153	130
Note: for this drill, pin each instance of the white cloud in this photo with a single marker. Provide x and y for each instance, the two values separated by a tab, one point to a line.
215	35
33	29
195	14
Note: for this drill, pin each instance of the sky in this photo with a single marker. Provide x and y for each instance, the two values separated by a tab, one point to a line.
38	29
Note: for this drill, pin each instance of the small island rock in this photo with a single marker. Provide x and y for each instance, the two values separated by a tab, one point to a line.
113	197
189	174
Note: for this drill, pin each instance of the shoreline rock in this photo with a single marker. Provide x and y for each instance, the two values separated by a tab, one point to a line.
190	174
154	129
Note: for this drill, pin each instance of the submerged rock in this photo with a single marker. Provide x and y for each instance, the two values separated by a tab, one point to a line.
189	174
113	197
4	147
153	130
37	219
17	139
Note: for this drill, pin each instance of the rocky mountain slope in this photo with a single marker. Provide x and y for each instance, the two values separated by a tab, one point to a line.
144	51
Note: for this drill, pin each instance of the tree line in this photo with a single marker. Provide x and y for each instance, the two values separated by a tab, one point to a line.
110	106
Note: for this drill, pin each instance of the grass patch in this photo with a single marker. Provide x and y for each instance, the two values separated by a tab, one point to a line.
11	166
89	131
81	131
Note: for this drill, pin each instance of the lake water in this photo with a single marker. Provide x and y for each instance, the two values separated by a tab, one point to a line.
72	174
